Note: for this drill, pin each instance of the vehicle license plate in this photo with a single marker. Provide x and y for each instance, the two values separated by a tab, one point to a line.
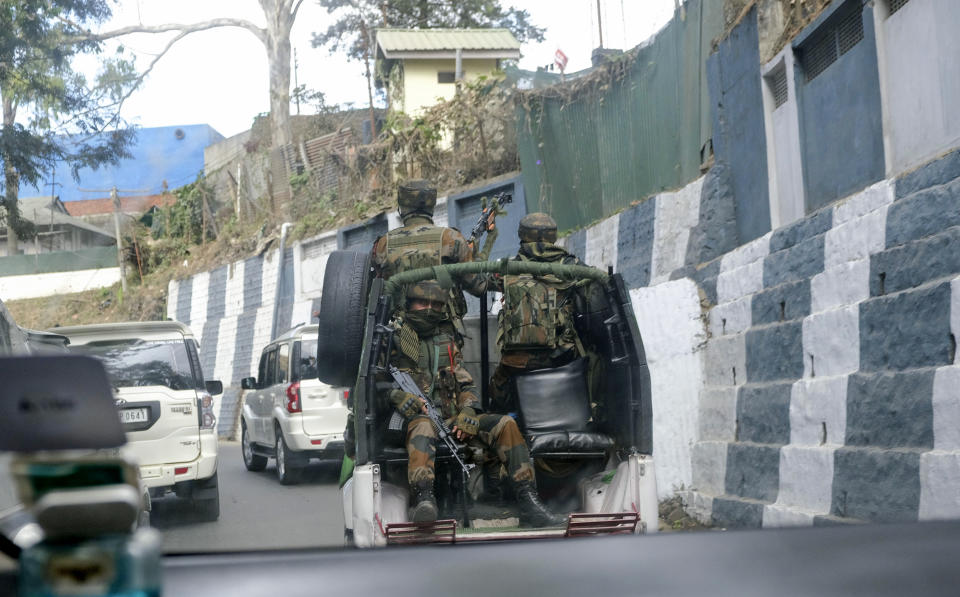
134	415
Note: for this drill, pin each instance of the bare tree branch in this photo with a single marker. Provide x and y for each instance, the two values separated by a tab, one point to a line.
260	32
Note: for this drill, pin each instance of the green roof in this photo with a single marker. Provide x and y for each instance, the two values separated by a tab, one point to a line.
409	43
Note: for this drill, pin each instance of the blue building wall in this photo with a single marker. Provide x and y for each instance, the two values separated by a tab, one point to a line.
841	123
159	154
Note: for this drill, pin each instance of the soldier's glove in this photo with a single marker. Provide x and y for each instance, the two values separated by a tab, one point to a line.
407	404
467	421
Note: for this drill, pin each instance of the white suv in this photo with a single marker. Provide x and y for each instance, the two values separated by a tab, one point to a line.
288	414
164	404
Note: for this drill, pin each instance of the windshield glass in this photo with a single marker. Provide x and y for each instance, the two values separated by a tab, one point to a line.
132	363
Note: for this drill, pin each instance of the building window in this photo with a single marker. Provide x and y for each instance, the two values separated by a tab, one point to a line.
835	40
446	77
777	81
895	5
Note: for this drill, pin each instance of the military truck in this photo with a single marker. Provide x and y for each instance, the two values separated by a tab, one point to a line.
587	424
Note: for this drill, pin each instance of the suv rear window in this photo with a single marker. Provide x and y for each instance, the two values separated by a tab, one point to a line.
307	361
134	362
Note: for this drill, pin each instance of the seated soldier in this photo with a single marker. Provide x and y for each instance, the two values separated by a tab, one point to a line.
424	347
536	321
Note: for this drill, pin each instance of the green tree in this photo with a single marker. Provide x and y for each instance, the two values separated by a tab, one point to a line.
51	113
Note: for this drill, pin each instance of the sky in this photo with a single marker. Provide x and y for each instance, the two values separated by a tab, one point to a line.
219	77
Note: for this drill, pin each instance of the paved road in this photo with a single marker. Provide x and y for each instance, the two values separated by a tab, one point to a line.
256	512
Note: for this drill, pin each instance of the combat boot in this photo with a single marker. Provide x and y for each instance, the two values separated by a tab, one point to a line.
532	511
424	504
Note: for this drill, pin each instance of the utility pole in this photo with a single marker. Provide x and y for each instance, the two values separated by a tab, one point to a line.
114	195
116	226
600	23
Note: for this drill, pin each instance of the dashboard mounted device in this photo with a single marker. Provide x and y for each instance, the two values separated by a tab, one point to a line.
62	402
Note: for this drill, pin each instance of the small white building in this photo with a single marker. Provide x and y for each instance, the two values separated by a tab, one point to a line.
420	66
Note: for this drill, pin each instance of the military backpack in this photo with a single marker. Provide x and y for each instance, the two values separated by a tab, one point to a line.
536	314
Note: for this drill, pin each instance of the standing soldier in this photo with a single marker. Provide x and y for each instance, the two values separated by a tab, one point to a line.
431	356
536	327
420	243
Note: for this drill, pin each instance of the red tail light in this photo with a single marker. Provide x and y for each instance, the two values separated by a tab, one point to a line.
180	470
207	419
345	396
293	398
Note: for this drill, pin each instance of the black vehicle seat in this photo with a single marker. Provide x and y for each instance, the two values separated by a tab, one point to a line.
554	407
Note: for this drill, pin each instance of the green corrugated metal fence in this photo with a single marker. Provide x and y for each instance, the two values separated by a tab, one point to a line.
591	147
61	261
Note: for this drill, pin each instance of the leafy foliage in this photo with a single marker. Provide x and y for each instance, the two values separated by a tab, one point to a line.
355	16
51	113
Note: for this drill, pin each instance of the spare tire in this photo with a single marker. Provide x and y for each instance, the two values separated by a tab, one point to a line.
346	282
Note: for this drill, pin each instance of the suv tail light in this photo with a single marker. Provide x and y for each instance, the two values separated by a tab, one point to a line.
345	397
207	419
293	398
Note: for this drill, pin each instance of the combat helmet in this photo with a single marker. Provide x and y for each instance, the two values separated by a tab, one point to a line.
428	290
537	227
416	197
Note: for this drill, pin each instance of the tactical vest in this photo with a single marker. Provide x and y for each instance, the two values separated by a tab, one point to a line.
535	315
408	250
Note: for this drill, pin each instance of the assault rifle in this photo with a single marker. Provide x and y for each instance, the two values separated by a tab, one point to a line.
482	225
381	346
407	384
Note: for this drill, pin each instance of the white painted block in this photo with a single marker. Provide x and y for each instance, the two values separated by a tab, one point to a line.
818	411
698	505
740	282
601	251
776	516
831	342
872	198
669	318
233	304
173	291
955	314
675	214
745	254
939	485
841	285
730	318
198	299
197	328
856	239
806	478
302	313
710	467
718	413
226	350
314	263
268	271
725	361
261	336
441	215
946	408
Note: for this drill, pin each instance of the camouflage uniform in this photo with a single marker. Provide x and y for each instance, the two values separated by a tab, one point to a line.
538	233
432	358
434	362
419	243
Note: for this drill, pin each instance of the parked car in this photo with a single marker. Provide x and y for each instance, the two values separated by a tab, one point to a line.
165	405
288	414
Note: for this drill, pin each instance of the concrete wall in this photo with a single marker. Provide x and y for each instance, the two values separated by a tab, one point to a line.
921	79
51	284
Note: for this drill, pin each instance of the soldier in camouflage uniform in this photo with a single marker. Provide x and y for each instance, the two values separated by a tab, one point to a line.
424	348
419	243
542	348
